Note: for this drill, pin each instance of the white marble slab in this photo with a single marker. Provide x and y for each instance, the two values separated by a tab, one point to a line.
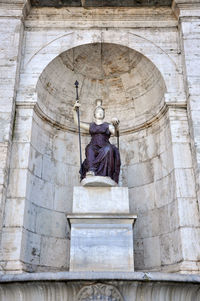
101	242
100	200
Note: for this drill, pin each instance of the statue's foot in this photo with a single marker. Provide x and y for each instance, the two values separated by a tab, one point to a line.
90	173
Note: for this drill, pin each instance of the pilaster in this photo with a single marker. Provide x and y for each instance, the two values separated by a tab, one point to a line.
188	13
12	14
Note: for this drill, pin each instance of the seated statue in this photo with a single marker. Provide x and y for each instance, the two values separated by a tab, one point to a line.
102	157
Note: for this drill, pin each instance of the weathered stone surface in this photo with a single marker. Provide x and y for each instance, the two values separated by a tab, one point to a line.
11	33
31	246
191	35
101	242
141	63
102	291
100	200
52	223
101	235
100	276
14	212
11	243
122	78
107	290
49	257
97	181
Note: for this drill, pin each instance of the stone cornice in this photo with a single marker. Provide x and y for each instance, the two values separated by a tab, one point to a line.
15	9
94	276
123	131
186	8
101	17
189	2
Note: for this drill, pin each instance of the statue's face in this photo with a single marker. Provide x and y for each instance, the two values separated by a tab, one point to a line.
99	113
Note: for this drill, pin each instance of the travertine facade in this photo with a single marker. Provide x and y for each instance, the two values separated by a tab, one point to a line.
144	64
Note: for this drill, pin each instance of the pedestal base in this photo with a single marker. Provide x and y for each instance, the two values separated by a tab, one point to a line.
98	181
101	242
100	200
101	230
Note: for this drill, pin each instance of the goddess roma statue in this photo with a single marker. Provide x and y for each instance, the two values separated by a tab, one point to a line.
102	157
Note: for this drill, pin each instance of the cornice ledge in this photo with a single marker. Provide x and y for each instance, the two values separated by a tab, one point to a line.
98	276
124	131
15	9
186	8
25	104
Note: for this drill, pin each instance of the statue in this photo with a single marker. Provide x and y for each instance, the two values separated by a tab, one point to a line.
102	157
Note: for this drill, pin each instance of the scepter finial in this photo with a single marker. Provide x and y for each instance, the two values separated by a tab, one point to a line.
76	85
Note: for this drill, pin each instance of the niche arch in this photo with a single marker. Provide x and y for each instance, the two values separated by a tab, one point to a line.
46	53
123	78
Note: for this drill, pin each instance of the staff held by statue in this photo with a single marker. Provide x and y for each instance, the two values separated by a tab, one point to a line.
79	128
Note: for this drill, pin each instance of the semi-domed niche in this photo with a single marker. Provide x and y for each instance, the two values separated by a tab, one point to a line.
132	89
130	86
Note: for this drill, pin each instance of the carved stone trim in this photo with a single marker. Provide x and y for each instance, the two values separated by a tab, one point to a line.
99	291
39	112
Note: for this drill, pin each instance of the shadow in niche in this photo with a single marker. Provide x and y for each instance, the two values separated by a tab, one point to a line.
102	3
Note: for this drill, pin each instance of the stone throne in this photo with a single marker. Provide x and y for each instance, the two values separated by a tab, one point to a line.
101	227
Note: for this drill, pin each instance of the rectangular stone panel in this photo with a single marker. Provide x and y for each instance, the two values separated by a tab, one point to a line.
100	200
101	243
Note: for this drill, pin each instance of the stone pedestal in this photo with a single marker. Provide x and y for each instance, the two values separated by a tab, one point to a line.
98	181
101	242
100	200
101	230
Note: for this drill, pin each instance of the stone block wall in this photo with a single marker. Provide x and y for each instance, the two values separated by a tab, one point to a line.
43	172
11	31
150	179
159	147
53	174
13	230
160	177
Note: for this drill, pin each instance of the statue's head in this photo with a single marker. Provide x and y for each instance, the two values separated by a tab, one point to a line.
99	112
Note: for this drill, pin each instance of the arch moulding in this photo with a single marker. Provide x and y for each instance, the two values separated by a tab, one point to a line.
39	58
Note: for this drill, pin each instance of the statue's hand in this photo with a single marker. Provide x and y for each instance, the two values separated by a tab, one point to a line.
115	121
76	106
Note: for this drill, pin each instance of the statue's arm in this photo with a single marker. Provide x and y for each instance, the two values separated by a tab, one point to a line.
83	125
114	126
